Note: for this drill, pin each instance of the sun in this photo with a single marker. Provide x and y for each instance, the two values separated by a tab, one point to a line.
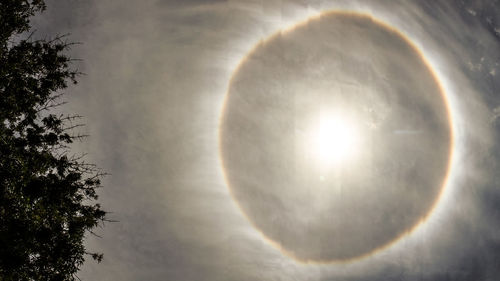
334	138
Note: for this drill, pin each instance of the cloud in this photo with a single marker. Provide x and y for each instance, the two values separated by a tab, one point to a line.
156	75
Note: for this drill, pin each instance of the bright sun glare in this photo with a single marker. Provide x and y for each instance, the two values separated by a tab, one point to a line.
334	139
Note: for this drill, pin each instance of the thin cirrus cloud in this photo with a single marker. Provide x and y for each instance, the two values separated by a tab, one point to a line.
157	74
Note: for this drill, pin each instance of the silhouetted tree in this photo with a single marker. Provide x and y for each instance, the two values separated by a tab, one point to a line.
47	197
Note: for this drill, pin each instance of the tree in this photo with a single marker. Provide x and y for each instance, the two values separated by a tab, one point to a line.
47	196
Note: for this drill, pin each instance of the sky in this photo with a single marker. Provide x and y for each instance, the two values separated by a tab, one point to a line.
201	113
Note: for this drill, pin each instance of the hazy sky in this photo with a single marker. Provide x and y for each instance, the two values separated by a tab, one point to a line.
157	73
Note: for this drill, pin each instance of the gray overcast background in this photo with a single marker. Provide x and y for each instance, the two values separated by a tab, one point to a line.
156	75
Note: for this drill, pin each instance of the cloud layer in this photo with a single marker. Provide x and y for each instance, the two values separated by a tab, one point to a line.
156	76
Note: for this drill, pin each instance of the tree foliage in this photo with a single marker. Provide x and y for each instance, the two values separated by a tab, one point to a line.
47	196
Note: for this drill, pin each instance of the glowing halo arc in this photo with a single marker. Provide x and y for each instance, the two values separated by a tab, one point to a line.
449	114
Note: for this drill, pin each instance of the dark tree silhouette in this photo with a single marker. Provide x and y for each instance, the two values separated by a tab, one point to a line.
47	196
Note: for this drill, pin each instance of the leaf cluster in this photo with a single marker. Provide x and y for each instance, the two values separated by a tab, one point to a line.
47	197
